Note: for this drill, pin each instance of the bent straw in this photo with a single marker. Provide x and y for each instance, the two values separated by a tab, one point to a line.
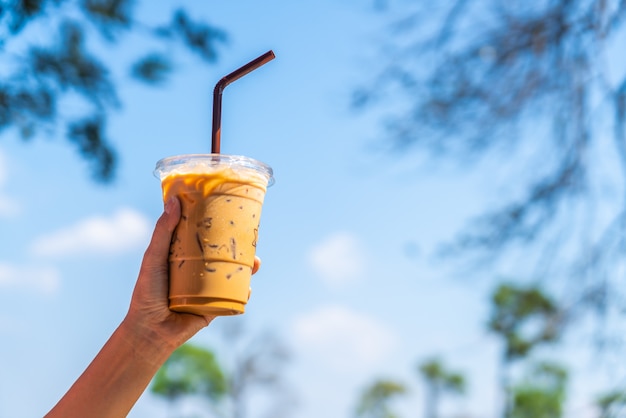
219	88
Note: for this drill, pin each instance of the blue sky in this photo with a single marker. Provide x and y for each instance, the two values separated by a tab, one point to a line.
346	280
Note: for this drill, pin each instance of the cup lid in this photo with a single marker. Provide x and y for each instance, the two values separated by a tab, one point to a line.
193	163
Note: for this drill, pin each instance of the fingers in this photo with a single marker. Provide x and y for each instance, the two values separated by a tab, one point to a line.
162	236
257	264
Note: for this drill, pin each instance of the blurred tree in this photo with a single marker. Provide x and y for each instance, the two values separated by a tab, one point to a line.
612	404
543	393
190	371
524	317
375	401
543	85
438	380
228	384
55	53
256	365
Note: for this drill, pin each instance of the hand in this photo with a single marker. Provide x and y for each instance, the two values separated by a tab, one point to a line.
149	313
150	332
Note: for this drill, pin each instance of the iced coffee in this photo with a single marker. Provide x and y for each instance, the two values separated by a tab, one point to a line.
213	247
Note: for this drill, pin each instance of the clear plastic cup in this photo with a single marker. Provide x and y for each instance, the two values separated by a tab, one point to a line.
214	244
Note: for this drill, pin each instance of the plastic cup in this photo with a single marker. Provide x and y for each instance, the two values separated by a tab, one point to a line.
214	244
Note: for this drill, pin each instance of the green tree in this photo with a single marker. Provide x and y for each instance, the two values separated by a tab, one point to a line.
513	306
542	394
254	365
524	317
438	381
246	367
70	65
259	365
612	404
375	400
190	371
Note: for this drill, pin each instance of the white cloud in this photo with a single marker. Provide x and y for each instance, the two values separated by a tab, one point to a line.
347	340
125	230
338	260
8	206
42	279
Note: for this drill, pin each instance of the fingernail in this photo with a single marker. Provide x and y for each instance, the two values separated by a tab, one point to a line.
169	205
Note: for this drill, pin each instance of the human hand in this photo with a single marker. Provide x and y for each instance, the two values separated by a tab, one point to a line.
149	313
150	332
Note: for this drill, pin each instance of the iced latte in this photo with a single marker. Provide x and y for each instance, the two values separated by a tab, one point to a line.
213	247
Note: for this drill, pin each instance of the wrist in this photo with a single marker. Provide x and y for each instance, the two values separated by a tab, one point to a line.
147	344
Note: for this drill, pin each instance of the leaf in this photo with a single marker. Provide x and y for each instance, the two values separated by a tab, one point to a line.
26	108
153	68
24	11
69	65
199	37
89	137
109	16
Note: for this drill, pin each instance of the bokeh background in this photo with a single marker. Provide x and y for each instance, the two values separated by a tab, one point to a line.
352	294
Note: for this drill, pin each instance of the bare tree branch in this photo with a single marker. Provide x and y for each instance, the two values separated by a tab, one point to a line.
482	77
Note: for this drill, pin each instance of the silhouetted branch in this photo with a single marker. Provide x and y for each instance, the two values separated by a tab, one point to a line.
39	77
88	135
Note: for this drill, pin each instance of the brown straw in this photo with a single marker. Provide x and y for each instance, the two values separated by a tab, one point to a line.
219	88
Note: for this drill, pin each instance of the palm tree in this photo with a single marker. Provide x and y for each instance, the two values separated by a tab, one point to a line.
376	398
438	381
514	307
